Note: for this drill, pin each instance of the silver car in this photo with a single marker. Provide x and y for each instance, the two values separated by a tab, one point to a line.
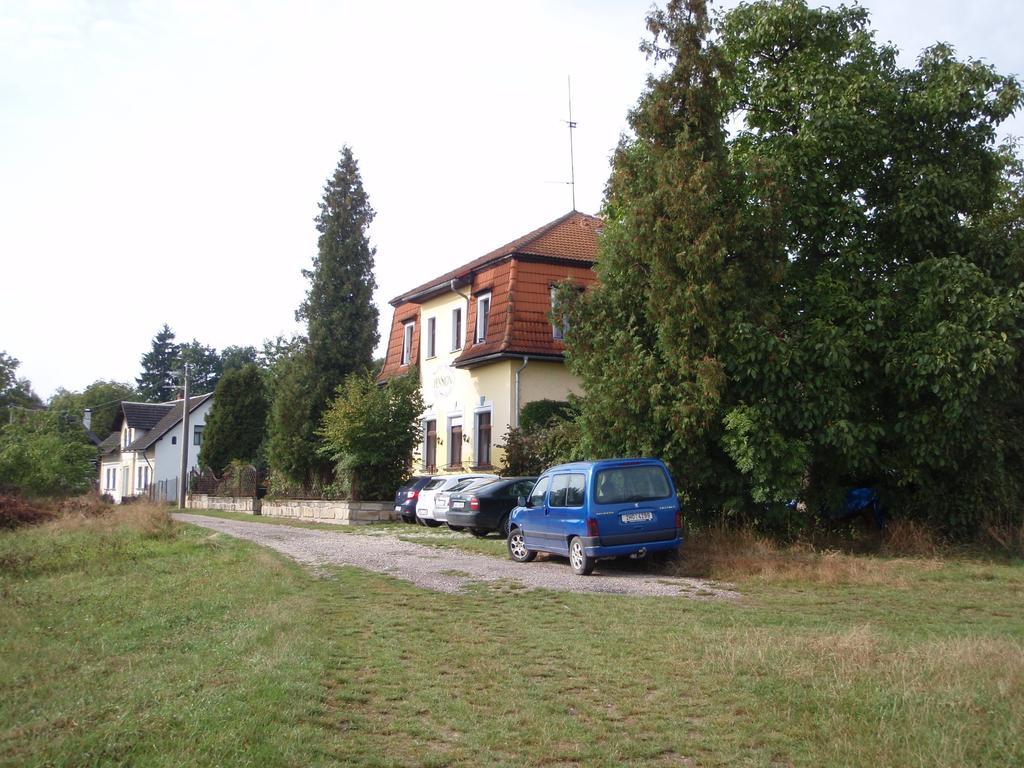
426	512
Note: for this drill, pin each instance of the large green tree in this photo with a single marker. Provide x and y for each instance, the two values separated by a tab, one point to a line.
204	366
101	398
842	289
236	424
341	321
233	356
15	391
160	369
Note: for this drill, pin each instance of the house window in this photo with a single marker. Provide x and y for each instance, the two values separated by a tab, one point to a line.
145	478
197	435
407	343
430	446
559	322
483	313
138	479
456	329
483	439
455	443
431	340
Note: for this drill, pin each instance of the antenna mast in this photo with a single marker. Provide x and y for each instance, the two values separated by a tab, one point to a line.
572	162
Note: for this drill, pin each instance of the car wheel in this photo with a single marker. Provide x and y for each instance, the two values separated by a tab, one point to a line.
503	527
517	547
479	532
582	564
456	527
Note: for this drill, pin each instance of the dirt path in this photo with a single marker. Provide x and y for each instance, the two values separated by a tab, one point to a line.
450	570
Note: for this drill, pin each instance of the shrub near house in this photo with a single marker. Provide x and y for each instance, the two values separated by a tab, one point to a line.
369	432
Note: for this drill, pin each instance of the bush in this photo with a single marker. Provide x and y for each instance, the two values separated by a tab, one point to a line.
15	512
540	413
370	432
43	455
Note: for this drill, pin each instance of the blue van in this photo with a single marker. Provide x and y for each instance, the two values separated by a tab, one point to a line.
597	509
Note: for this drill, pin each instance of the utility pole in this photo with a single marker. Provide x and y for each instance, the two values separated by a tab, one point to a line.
183	482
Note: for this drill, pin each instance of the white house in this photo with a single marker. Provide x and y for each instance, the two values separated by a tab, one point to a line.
143	456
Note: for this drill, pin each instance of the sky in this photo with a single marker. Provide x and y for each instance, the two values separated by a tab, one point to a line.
162	162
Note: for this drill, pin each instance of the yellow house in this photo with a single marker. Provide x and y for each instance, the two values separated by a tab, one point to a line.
482	339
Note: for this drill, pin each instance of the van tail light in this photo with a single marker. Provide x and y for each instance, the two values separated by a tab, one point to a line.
412	494
679	518
592	527
474	503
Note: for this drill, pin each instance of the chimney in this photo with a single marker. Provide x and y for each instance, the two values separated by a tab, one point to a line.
87	419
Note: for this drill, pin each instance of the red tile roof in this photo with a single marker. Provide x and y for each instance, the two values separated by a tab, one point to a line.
572	237
519	276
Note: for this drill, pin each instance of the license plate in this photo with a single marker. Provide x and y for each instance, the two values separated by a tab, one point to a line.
637	517
458	504
398	509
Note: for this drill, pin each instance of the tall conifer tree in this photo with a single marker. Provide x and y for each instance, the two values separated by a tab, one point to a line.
341	322
156	383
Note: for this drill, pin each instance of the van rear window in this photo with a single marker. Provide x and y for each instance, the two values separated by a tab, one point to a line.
622	484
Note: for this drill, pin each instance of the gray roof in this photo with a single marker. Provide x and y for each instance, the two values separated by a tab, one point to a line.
141	415
110	444
169	420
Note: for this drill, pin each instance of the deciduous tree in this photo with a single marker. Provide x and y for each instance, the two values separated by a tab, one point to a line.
829	295
101	398
369	433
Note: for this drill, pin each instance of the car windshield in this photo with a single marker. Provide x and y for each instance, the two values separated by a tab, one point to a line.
622	484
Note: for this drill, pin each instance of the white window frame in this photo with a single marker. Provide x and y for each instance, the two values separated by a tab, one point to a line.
476	435
485	317
408	329
197	434
557	331
431	337
455	420
458	330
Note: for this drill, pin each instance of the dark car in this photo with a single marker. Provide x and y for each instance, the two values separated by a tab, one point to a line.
405	498
486	508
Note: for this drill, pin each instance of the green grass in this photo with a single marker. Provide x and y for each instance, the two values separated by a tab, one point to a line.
124	645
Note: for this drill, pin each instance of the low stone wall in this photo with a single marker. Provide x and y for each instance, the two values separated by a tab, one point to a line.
337	512
246	504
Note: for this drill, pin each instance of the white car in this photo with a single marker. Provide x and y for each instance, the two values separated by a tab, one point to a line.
426	514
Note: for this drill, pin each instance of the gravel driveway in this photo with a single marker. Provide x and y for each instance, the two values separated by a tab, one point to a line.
450	570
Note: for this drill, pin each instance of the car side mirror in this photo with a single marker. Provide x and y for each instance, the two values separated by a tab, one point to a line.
521	501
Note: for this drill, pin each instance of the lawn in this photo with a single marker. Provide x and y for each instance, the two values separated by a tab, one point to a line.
129	641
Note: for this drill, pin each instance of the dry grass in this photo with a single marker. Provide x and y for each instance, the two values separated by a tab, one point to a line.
1008	538
151	520
909	538
730	554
